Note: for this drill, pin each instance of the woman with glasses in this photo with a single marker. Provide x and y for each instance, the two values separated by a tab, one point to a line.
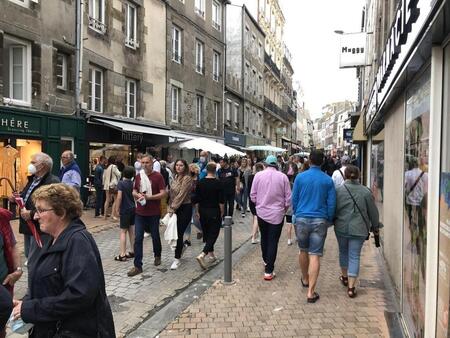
66	285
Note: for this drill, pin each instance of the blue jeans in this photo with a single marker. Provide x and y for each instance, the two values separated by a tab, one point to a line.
244	198
311	234
148	224
349	253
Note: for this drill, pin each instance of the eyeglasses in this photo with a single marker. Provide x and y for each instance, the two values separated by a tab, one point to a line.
40	211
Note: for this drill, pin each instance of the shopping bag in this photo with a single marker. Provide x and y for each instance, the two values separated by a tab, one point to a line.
171	233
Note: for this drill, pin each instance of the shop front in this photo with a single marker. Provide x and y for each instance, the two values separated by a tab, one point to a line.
235	139
24	133
407	122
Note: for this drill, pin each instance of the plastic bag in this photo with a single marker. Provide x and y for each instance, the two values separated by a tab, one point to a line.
171	233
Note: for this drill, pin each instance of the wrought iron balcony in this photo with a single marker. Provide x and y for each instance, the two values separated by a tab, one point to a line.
268	104
269	62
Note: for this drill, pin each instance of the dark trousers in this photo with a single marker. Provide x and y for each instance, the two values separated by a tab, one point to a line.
99	201
6	307
210	221
148	224
229	204
184	216
270	235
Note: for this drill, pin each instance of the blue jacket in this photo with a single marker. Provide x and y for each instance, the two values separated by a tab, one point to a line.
314	195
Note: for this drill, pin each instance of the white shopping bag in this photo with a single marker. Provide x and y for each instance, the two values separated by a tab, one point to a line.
171	233
165	219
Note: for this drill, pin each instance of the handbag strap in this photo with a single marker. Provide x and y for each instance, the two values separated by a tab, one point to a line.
416	182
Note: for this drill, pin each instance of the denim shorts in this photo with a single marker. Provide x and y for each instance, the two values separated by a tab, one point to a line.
311	234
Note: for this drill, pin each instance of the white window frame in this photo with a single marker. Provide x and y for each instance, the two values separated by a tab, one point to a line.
175	109
236	113
97	20
131	39
64	71
199	110
216	110
216	66
199	8
199	56
216	15
228	110
23	3
26	71
130	102
176	44
92	89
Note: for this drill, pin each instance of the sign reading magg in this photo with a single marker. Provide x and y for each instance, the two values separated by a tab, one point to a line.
353	50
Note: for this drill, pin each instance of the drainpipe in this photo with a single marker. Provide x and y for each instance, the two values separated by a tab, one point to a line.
224	67
78	54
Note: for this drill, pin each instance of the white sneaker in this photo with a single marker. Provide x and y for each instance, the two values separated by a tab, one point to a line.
255	241
212	259
176	263
26	263
146	234
242	215
201	260
289	241
248	209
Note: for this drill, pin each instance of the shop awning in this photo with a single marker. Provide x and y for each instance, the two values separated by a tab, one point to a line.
139	128
358	133
202	143
267	148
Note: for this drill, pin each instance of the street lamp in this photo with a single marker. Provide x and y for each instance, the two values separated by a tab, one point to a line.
338	31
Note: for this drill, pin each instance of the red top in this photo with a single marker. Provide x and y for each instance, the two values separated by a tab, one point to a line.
151	208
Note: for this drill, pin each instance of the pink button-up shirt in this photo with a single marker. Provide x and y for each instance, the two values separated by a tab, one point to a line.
271	192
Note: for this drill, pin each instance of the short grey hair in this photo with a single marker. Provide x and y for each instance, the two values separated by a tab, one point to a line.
45	159
70	154
147	155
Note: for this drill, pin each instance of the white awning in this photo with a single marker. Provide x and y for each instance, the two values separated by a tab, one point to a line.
202	143
139	128
267	148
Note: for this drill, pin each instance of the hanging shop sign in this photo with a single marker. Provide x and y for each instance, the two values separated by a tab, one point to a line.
353	50
409	20
348	134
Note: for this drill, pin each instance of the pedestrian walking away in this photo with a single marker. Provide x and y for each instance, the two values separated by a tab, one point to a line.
244	173
180	204
66	291
338	175
271	194
194	171
149	188
314	204
291	171
229	178
127	209
356	216
209	204
111	177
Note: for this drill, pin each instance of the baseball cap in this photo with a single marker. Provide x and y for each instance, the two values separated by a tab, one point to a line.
271	160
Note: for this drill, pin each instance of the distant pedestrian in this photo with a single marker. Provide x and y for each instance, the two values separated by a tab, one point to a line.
194	172
356	214
70	172
255	229
127	209
111	177
180	204
148	190
229	179
244	172
314	204
271	193
202	162
338	175
98	185
209	210
291	172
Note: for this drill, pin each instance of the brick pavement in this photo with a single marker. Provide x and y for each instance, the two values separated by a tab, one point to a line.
133	299
257	308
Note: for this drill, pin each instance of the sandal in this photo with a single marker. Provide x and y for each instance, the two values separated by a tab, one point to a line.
129	254
305	285
351	292
120	258
314	298
344	280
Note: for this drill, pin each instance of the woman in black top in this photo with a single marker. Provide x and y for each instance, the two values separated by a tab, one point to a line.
258	167
209	201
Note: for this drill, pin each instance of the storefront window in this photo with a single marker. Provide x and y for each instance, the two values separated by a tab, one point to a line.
123	153
443	299
415	197
377	175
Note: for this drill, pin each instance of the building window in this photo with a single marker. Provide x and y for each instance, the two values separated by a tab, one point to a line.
216	109
216	66
175	99
17	71
254	122
131	26
199	49
199	114
24	3
216	15
97	15
96	89
236	114
130	98
176	45
61	71
247	37
200	8
229	105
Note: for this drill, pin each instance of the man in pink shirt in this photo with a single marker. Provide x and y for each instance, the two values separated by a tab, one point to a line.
271	192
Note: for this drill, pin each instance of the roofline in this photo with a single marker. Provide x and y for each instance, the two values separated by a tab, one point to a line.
254	21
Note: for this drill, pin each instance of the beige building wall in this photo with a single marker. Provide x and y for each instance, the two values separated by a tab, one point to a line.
393	190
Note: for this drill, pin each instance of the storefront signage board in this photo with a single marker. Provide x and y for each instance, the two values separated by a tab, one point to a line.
20	124
348	134
353	50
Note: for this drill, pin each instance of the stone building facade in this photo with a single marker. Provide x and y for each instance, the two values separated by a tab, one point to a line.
195	35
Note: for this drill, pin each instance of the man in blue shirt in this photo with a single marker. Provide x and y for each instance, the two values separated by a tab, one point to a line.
70	173
202	162
314	204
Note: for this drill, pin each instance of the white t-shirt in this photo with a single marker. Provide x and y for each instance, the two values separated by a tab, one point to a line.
156	166
337	178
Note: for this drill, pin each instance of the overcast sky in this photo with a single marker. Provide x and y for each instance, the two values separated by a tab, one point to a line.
309	35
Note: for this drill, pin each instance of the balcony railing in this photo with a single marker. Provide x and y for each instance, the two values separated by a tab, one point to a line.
292	112
268	61
97	25
268	104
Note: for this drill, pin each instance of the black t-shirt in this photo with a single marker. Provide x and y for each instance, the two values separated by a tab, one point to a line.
126	187
228	179
209	193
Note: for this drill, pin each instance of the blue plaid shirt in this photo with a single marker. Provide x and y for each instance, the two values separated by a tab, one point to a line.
35	182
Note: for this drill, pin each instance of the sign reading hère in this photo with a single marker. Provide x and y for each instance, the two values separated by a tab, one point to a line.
10	123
